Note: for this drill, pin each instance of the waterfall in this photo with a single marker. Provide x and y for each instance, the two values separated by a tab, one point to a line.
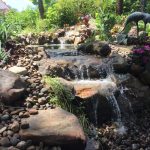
93	71
95	111
62	43
116	109
122	89
81	72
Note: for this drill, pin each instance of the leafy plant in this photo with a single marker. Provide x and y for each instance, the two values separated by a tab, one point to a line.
41	25
3	33
3	55
105	22
60	96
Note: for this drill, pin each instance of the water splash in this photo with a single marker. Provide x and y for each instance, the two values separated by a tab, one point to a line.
116	109
121	129
62	43
122	90
81	72
95	111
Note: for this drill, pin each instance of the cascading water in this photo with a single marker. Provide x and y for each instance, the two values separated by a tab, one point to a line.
111	98
93	70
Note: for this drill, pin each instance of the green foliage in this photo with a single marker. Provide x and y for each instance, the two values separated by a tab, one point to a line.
3	55
14	22
3	33
62	96
42	25
69	11
105	22
131	6
60	12
105	19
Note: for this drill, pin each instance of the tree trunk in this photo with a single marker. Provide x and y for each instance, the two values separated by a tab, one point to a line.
41	8
119	7
143	5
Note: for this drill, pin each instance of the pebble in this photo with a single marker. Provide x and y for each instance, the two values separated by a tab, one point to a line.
42	100
13	148
53	148
35	107
16	112
33	111
14	141
22	145
24	125
2	130
5	117
5	142
31	147
44	90
26	115
4	133
15	127
29	105
9	132
135	146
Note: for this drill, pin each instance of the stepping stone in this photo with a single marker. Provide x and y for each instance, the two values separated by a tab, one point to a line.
55	127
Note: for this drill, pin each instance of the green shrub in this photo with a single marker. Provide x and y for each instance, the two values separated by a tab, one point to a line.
69	11
42	25
14	22
104	23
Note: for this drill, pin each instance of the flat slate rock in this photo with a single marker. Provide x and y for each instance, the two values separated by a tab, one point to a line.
55	127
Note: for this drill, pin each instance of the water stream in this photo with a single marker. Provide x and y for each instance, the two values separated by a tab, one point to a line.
93	70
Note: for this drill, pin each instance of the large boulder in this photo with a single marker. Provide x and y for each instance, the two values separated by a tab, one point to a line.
12	88
55	127
134	96
59	68
97	47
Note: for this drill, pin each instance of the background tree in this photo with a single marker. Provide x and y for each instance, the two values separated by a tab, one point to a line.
119	7
143	5
41	8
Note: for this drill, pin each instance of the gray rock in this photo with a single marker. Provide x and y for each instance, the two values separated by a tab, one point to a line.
4	142
42	100
12	88
53	148
5	117
2	130
44	90
31	148
15	126
9	132
14	141
12	148
135	146
33	111
22	145
24	124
